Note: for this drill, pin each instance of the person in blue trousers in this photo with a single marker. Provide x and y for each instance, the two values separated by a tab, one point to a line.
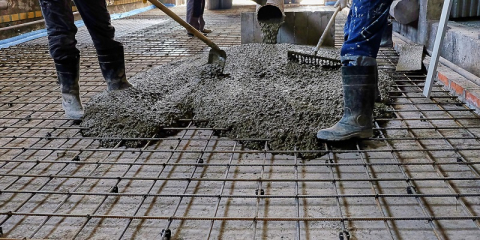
195	10
61	32
366	21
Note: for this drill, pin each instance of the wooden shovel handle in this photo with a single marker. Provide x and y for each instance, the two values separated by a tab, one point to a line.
182	22
327	29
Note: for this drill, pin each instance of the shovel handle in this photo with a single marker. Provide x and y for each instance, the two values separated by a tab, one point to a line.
182	22
327	28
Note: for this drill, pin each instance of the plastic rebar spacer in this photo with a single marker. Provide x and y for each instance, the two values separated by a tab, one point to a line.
259	192
411	190
166	234
344	235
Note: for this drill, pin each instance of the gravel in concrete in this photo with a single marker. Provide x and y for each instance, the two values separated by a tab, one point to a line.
270	31
262	95
411	58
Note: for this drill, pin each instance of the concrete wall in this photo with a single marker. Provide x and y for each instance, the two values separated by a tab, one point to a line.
218	4
418	31
303	28
460	42
460	46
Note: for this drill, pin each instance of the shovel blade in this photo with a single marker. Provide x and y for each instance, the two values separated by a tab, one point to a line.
218	58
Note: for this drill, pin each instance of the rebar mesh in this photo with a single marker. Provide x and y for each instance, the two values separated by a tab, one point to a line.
418	178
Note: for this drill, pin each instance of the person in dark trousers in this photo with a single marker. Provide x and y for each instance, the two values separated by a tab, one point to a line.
363	31
61	32
195	9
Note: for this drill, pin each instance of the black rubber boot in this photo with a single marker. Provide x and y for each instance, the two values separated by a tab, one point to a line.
112	64
358	97
387	36
68	74
378	96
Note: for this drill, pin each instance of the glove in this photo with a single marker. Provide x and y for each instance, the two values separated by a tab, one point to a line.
341	3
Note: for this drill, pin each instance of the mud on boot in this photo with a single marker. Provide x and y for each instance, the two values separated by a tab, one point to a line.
112	64
358	98
378	95
68	75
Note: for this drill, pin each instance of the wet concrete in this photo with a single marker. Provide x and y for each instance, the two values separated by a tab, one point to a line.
270	31
411	58
262	95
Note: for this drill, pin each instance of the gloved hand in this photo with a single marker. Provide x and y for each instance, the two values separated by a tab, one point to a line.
341	3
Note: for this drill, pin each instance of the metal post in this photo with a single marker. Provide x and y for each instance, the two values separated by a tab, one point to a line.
432	68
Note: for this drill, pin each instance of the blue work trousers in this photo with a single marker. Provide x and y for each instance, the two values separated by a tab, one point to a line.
195	10
363	31
61	28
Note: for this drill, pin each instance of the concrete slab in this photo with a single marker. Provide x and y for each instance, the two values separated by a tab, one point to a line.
411	57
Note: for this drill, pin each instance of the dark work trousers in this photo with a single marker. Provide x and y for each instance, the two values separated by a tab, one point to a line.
363	31
61	28
195	9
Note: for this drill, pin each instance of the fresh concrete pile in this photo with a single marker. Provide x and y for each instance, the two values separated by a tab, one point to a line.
262	95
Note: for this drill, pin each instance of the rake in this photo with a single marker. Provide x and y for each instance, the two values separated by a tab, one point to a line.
303	58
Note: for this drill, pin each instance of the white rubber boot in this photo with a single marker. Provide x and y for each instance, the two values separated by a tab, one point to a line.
72	105
68	75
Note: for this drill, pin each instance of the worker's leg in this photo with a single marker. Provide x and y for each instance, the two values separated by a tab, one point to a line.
365	24
193	13
363	31
60	28
202	21
110	52
61	40
97	20
358	100
112	64
367	20
68	75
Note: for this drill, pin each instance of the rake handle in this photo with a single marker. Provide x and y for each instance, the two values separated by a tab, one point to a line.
182	22
327	29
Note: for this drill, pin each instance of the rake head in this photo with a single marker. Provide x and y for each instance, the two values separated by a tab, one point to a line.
314	60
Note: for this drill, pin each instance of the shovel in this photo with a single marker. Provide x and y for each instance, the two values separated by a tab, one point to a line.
216	55
315	60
